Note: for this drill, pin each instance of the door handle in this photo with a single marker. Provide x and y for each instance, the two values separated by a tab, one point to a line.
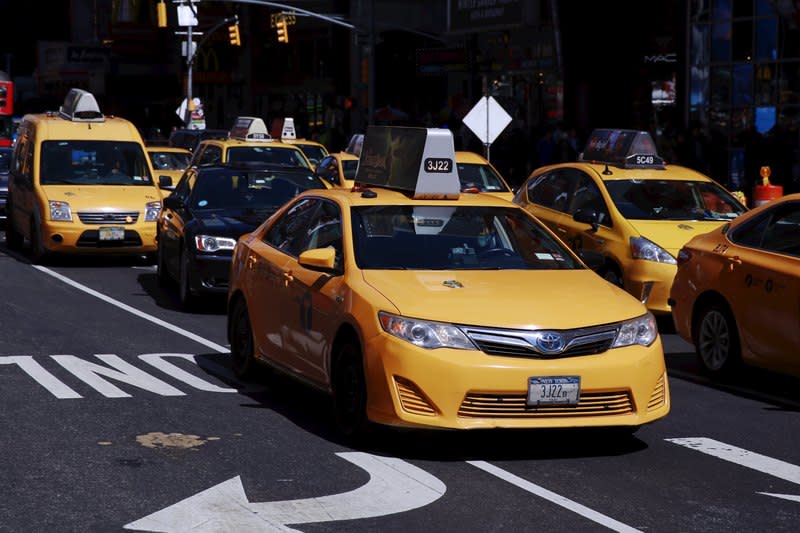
251	261
732	261
287	278
561	230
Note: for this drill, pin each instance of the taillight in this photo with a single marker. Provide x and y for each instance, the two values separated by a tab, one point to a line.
684	255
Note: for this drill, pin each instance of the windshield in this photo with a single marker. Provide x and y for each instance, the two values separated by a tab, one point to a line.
262	190
170	160
454	237
313	152
93	163
673	200
481	177
288	157
349	167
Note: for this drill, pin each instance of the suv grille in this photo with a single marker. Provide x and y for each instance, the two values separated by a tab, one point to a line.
116	217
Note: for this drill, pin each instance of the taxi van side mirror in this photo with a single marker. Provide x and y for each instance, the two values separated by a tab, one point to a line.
323	259
587	216
165	182
172	202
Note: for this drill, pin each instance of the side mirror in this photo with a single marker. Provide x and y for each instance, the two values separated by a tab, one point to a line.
323	259
165	182
172	202
587	216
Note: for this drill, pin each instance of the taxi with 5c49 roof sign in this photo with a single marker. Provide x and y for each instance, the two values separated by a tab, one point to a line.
414	305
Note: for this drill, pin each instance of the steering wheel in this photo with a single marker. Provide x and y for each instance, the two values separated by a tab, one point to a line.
496	252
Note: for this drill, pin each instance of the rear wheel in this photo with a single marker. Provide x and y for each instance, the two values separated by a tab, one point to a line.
14	239
717	340
241	337
350	392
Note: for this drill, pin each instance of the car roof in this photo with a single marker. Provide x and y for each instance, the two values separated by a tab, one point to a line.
382	196
614	173
463	156
165	148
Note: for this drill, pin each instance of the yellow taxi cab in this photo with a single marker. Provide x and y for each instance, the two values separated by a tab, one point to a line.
169	161
736	295
81	182
313	150
477	173
414	305
249	140
338	169
620	199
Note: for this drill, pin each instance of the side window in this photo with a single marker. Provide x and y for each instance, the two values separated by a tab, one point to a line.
554	190
588	196
780	233
324	230
209	155
288	233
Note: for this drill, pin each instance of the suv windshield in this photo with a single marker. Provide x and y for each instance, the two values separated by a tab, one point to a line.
93	163
673	200
454	237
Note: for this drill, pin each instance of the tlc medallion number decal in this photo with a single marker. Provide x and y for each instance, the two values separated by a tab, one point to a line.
438	164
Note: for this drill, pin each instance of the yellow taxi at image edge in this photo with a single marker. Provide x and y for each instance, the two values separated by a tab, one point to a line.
169	161
359	303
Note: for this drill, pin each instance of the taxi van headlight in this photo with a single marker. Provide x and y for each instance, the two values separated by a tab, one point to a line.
646	249
423	333
209	243
642	330
60	211
151	211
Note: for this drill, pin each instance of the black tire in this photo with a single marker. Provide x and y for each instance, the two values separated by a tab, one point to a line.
14	239
161	268
350	392
716	340
38	251
243	360
187	298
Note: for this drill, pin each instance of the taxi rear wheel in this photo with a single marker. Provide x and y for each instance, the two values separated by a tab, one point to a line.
14	239
717	340
350	391
241	337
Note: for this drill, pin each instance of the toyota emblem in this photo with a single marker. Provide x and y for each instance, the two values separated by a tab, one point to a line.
550	342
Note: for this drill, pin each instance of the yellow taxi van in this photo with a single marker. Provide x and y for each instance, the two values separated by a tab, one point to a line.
81	182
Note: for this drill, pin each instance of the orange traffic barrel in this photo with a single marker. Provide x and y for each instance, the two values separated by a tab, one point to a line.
765	192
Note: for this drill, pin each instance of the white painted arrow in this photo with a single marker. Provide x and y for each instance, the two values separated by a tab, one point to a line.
394	486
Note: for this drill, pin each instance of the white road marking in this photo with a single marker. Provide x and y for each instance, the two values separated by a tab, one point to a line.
790	497
159	361
122	371
557	499
133	310
58	388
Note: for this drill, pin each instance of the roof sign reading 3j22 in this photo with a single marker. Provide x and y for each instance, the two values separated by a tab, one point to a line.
249	129
418	160
626	148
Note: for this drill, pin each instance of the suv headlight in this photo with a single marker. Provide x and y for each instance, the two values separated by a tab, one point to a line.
60	211
646	249
423	333
209	243
642	330
151	211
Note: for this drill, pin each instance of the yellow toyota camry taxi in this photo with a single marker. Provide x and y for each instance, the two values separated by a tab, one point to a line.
736	295
81	182
623	201
414	305
476	173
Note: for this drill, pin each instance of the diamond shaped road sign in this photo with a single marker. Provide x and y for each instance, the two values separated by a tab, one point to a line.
487	119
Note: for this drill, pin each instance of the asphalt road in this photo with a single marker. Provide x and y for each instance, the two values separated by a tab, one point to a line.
119	413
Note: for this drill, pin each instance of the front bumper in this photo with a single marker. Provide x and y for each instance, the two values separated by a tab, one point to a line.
650	283
211	273
79	238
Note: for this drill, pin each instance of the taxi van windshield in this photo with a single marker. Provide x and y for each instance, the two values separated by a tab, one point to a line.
481	177
268	154
454	237
93	163
258	190
673	200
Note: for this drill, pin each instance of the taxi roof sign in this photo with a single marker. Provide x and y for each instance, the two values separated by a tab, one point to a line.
288	131
625	148
417	160
81	106
249	129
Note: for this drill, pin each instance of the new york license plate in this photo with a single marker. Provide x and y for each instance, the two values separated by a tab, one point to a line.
111	233
554	390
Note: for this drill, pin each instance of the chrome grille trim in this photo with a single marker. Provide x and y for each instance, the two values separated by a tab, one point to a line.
522	343
108	217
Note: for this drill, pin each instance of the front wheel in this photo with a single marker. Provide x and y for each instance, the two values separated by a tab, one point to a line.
184	284
717	340
350	391
38	251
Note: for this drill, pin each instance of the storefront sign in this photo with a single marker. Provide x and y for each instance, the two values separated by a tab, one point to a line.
472	15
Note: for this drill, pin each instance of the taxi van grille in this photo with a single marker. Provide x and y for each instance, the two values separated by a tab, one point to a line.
510	405
117	217
91	239
523	343
411	398
659	395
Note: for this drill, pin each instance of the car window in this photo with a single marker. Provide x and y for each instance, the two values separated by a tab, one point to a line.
210	154
324	230
170	160
454	237
774	231
313	152
588	196
288	232
554	189
481	177
93	163
349	168
285	156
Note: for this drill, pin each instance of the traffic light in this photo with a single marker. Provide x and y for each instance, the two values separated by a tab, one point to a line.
233	33
283	30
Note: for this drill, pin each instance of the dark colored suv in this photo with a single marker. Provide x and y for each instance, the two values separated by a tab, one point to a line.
190	138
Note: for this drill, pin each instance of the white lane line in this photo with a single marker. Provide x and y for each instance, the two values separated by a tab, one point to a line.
557	499
134	311
740	456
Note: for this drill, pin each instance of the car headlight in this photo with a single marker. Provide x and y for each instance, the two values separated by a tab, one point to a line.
208	243
646	249
60	211
151	211
642	330
423	333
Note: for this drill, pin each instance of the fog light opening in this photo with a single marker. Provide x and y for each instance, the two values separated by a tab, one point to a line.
57	238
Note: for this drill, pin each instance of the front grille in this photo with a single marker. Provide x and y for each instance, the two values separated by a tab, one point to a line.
91	239
512	405
116	217
522	343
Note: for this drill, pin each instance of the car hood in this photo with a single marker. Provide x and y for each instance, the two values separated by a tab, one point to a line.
506	298
103	197
671	235
228	223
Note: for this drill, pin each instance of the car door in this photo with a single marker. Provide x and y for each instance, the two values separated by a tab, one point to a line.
314	297
585	199
173	222
549	197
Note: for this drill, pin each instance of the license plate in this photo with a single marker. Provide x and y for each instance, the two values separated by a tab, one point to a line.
112	233
554	390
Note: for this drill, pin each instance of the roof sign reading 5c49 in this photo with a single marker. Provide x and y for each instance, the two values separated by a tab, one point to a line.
625	148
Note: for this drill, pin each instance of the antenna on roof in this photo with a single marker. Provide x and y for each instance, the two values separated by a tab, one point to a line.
607	171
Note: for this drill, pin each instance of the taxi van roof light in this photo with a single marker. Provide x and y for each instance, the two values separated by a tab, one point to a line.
80	106
249	129
622	148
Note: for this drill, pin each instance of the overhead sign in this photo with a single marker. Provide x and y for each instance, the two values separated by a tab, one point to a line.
418	160
487	119
479	15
